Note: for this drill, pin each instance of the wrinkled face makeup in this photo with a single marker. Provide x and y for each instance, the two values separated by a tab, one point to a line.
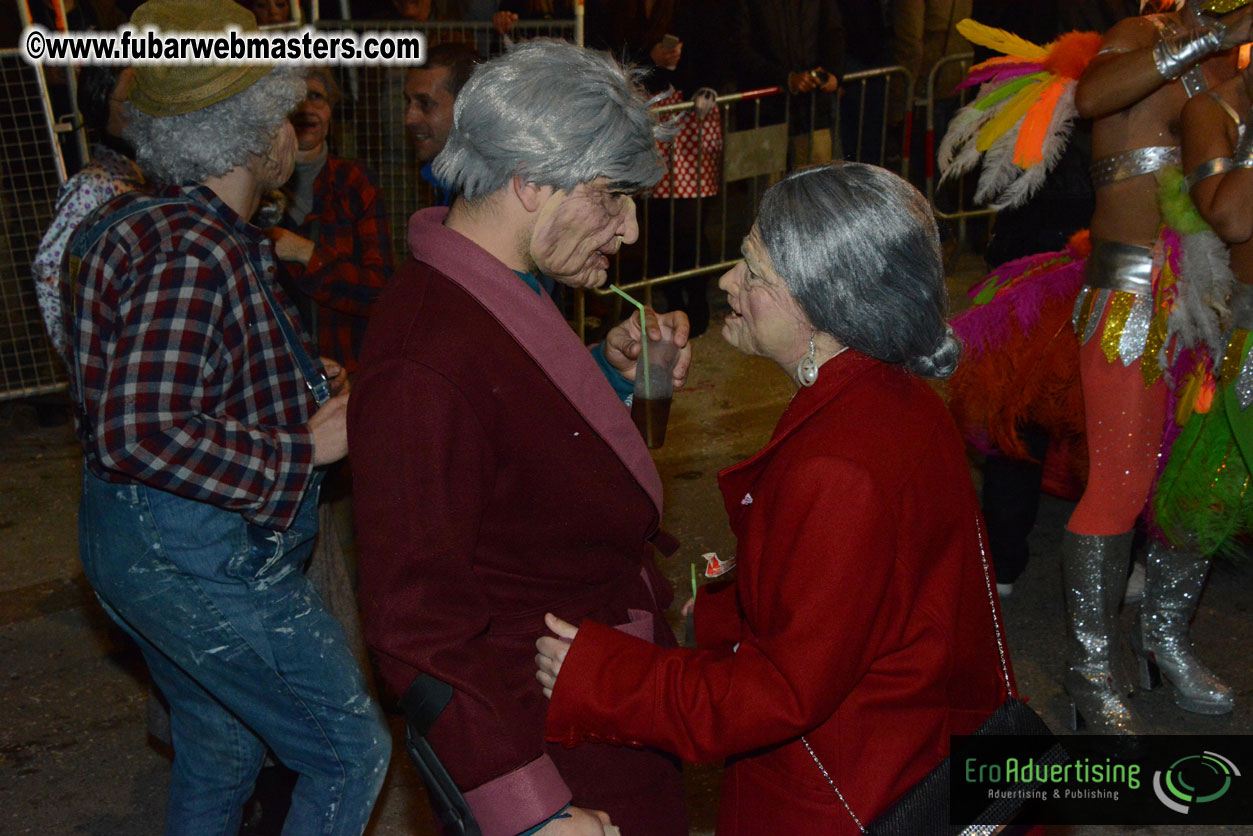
765	318
117	102
577	232
281	159
312	117
428	111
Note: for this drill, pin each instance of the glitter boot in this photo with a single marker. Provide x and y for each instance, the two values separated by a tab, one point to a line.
1094	573
1172	590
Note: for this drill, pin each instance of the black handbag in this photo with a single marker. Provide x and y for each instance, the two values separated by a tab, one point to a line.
924	808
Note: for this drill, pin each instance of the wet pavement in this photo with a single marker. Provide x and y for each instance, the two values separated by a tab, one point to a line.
74	754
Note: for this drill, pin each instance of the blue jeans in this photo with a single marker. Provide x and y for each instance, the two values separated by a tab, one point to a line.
240	645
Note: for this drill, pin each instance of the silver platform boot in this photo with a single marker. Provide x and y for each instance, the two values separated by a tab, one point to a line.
1172	590
1094	573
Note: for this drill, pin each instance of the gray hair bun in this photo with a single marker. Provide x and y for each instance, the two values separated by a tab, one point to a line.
939	363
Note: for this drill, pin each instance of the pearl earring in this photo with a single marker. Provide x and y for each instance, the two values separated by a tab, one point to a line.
807	369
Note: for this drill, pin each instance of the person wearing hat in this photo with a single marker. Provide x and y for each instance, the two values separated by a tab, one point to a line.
205	422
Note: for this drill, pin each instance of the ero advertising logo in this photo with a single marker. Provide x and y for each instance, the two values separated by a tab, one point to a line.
1102	779
1194	780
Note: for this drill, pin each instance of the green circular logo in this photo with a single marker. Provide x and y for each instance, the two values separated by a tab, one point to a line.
1194	779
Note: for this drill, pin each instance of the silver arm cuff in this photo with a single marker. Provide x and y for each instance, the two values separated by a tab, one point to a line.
1207	169
1175	54
1242	155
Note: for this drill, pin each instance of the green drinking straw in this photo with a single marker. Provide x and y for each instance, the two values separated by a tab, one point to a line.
643	330
693	566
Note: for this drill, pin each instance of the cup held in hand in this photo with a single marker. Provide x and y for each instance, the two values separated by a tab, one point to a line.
654	389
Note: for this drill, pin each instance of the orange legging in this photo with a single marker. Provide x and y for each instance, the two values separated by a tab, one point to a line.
1125	421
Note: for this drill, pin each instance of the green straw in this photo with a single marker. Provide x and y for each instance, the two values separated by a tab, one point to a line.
643	332
693	565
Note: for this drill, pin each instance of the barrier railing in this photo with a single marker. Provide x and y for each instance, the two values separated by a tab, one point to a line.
753	154
951	201
31	171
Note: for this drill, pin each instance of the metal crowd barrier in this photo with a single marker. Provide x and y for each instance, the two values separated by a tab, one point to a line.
950	202
753	156
31	171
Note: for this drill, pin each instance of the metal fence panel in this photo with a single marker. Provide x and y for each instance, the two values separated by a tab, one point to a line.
30	174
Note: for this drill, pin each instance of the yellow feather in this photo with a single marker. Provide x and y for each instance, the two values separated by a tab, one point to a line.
1005	121
1000	40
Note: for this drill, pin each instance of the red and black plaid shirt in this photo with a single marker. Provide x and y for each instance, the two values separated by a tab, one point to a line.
187	383
352	257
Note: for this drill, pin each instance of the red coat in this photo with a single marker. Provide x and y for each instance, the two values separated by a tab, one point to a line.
862	610
497	477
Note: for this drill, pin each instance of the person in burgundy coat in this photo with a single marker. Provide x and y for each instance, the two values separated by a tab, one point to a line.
497	473
861	622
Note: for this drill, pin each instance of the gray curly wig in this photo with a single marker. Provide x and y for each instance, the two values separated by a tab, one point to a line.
556	115
192	147
859	250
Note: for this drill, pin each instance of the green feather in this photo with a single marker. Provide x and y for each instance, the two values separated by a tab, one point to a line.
1178	211
1204	497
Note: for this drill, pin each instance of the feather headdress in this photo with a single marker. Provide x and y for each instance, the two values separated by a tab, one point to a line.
1020	121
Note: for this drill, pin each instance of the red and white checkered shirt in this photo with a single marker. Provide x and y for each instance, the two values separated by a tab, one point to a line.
187	383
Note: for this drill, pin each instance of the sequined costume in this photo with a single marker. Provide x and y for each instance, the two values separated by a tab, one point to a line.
1138	328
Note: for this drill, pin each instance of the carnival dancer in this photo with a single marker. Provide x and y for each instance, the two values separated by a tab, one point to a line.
1134	90
1130	286
1201	502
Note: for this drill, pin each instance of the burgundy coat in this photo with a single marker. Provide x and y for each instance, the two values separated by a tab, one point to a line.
862	612
497	477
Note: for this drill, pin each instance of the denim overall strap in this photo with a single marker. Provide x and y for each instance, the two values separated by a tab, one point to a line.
315	378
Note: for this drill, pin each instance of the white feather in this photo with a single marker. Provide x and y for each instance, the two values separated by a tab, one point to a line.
1055	141
999	169
1200	313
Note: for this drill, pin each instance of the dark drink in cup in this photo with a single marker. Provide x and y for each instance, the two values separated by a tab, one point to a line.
650	417
654	389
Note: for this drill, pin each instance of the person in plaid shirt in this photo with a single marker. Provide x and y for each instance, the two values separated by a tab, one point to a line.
333	239
203	440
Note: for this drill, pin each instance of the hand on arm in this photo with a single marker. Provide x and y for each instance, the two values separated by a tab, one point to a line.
818	597
552	652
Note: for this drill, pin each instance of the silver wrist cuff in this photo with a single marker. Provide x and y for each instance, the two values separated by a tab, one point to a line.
1242	155
1207	169
1174	55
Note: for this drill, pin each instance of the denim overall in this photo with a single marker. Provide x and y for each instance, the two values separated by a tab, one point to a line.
238	642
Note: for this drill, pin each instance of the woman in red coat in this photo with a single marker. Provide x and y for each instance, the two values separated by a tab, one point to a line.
861	623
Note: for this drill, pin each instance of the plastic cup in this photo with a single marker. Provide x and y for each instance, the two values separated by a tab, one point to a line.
654	389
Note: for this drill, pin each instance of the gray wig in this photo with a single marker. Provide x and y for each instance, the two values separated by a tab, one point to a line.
556	115
192	147
859	250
